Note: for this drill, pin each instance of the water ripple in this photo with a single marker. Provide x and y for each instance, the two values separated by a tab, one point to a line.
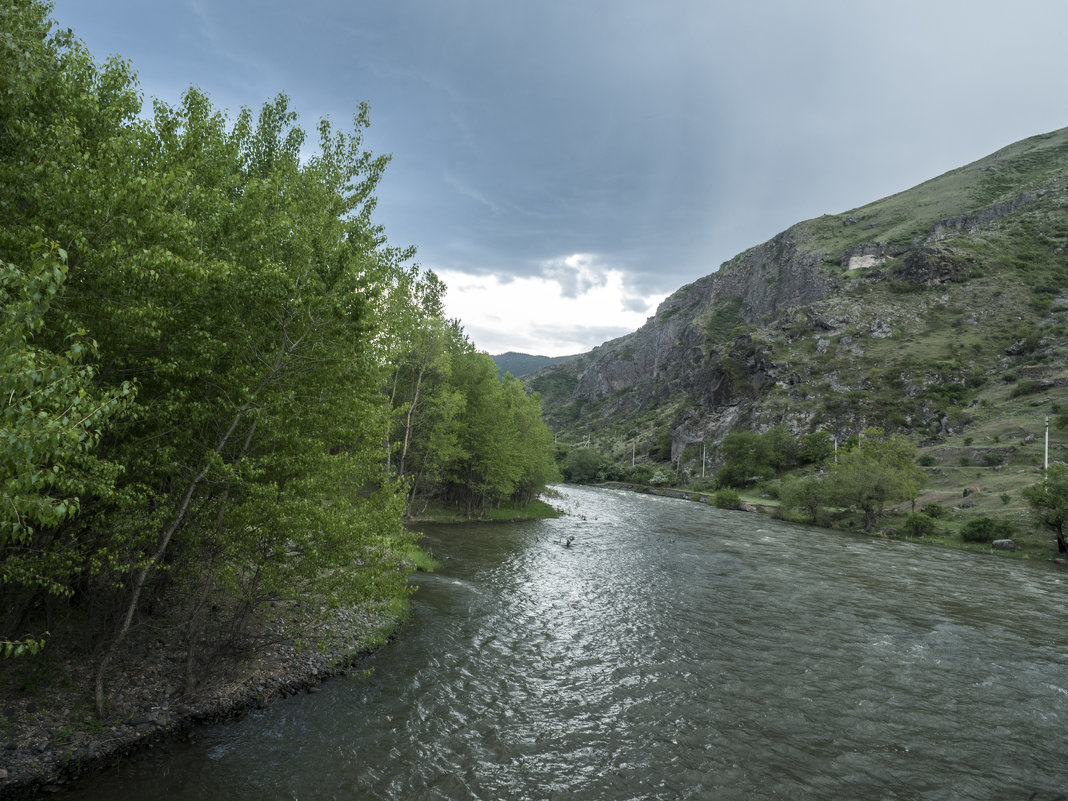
673	652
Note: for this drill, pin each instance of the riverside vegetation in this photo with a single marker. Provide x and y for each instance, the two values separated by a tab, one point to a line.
224	392
938	315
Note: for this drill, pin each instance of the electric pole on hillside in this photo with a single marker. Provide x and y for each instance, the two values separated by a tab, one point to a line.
1045	460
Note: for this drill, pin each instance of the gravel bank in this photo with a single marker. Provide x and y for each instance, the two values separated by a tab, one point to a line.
49	736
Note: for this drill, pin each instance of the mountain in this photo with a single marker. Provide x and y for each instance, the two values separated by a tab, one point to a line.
939	312
521	364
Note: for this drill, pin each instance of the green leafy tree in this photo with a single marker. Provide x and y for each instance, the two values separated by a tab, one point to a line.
51	423
782	448
815	447
585	466
807	493
235	280
748	458
534	441
878	470
505	451
1049	502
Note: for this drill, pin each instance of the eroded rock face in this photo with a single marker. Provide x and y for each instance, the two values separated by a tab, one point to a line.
695	355
772	277
675	348
980	217
933	266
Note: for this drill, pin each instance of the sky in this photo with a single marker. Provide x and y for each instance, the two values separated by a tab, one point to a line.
564	165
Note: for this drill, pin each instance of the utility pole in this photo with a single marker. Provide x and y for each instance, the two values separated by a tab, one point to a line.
702	458
1045	461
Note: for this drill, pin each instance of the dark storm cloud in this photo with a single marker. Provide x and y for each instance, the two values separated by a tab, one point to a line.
658	138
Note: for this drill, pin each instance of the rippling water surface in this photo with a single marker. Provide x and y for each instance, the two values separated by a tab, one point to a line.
672	652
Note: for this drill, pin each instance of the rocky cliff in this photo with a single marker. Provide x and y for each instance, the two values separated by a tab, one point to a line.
843	321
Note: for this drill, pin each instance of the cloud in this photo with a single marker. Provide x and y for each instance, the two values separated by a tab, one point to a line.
578	274
652	140
575	305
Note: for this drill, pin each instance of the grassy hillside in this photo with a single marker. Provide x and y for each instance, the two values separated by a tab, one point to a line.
945	319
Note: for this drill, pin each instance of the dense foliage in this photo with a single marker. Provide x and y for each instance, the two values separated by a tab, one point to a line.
1049	502
750	456
459	434
223	384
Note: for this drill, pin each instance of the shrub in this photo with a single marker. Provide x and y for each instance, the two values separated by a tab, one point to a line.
726	499
1026	388
934	510
993	459
586	466
919	525
985	529
926	460
661	478
640	474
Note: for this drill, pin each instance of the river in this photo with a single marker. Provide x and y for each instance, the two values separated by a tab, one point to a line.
673	651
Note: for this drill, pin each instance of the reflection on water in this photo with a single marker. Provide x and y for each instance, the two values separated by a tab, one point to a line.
672	652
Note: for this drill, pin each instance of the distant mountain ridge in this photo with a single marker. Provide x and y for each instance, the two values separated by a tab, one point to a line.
914	313
521	364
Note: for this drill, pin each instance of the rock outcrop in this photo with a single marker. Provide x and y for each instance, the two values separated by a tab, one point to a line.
790	331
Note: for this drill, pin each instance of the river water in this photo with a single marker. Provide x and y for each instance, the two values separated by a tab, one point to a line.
673	651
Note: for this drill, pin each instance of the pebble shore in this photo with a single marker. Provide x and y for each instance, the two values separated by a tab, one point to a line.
49	737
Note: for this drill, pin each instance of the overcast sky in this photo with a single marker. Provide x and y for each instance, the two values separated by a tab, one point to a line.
564	165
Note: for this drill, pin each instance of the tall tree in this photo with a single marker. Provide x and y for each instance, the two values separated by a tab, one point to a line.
877	470
1049	502
51	422
234	282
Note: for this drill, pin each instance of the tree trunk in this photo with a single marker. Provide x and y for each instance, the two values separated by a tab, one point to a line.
408	420
287	346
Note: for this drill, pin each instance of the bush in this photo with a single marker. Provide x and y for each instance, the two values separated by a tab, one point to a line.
993	459
586	466
919	525
661	478
986	529
934	510
926	460
1026	388
640	474
726	499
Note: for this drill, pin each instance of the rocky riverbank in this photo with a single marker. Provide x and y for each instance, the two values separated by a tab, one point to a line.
49	736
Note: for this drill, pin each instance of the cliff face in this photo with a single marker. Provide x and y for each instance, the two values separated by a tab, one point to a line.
684	345
796	330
